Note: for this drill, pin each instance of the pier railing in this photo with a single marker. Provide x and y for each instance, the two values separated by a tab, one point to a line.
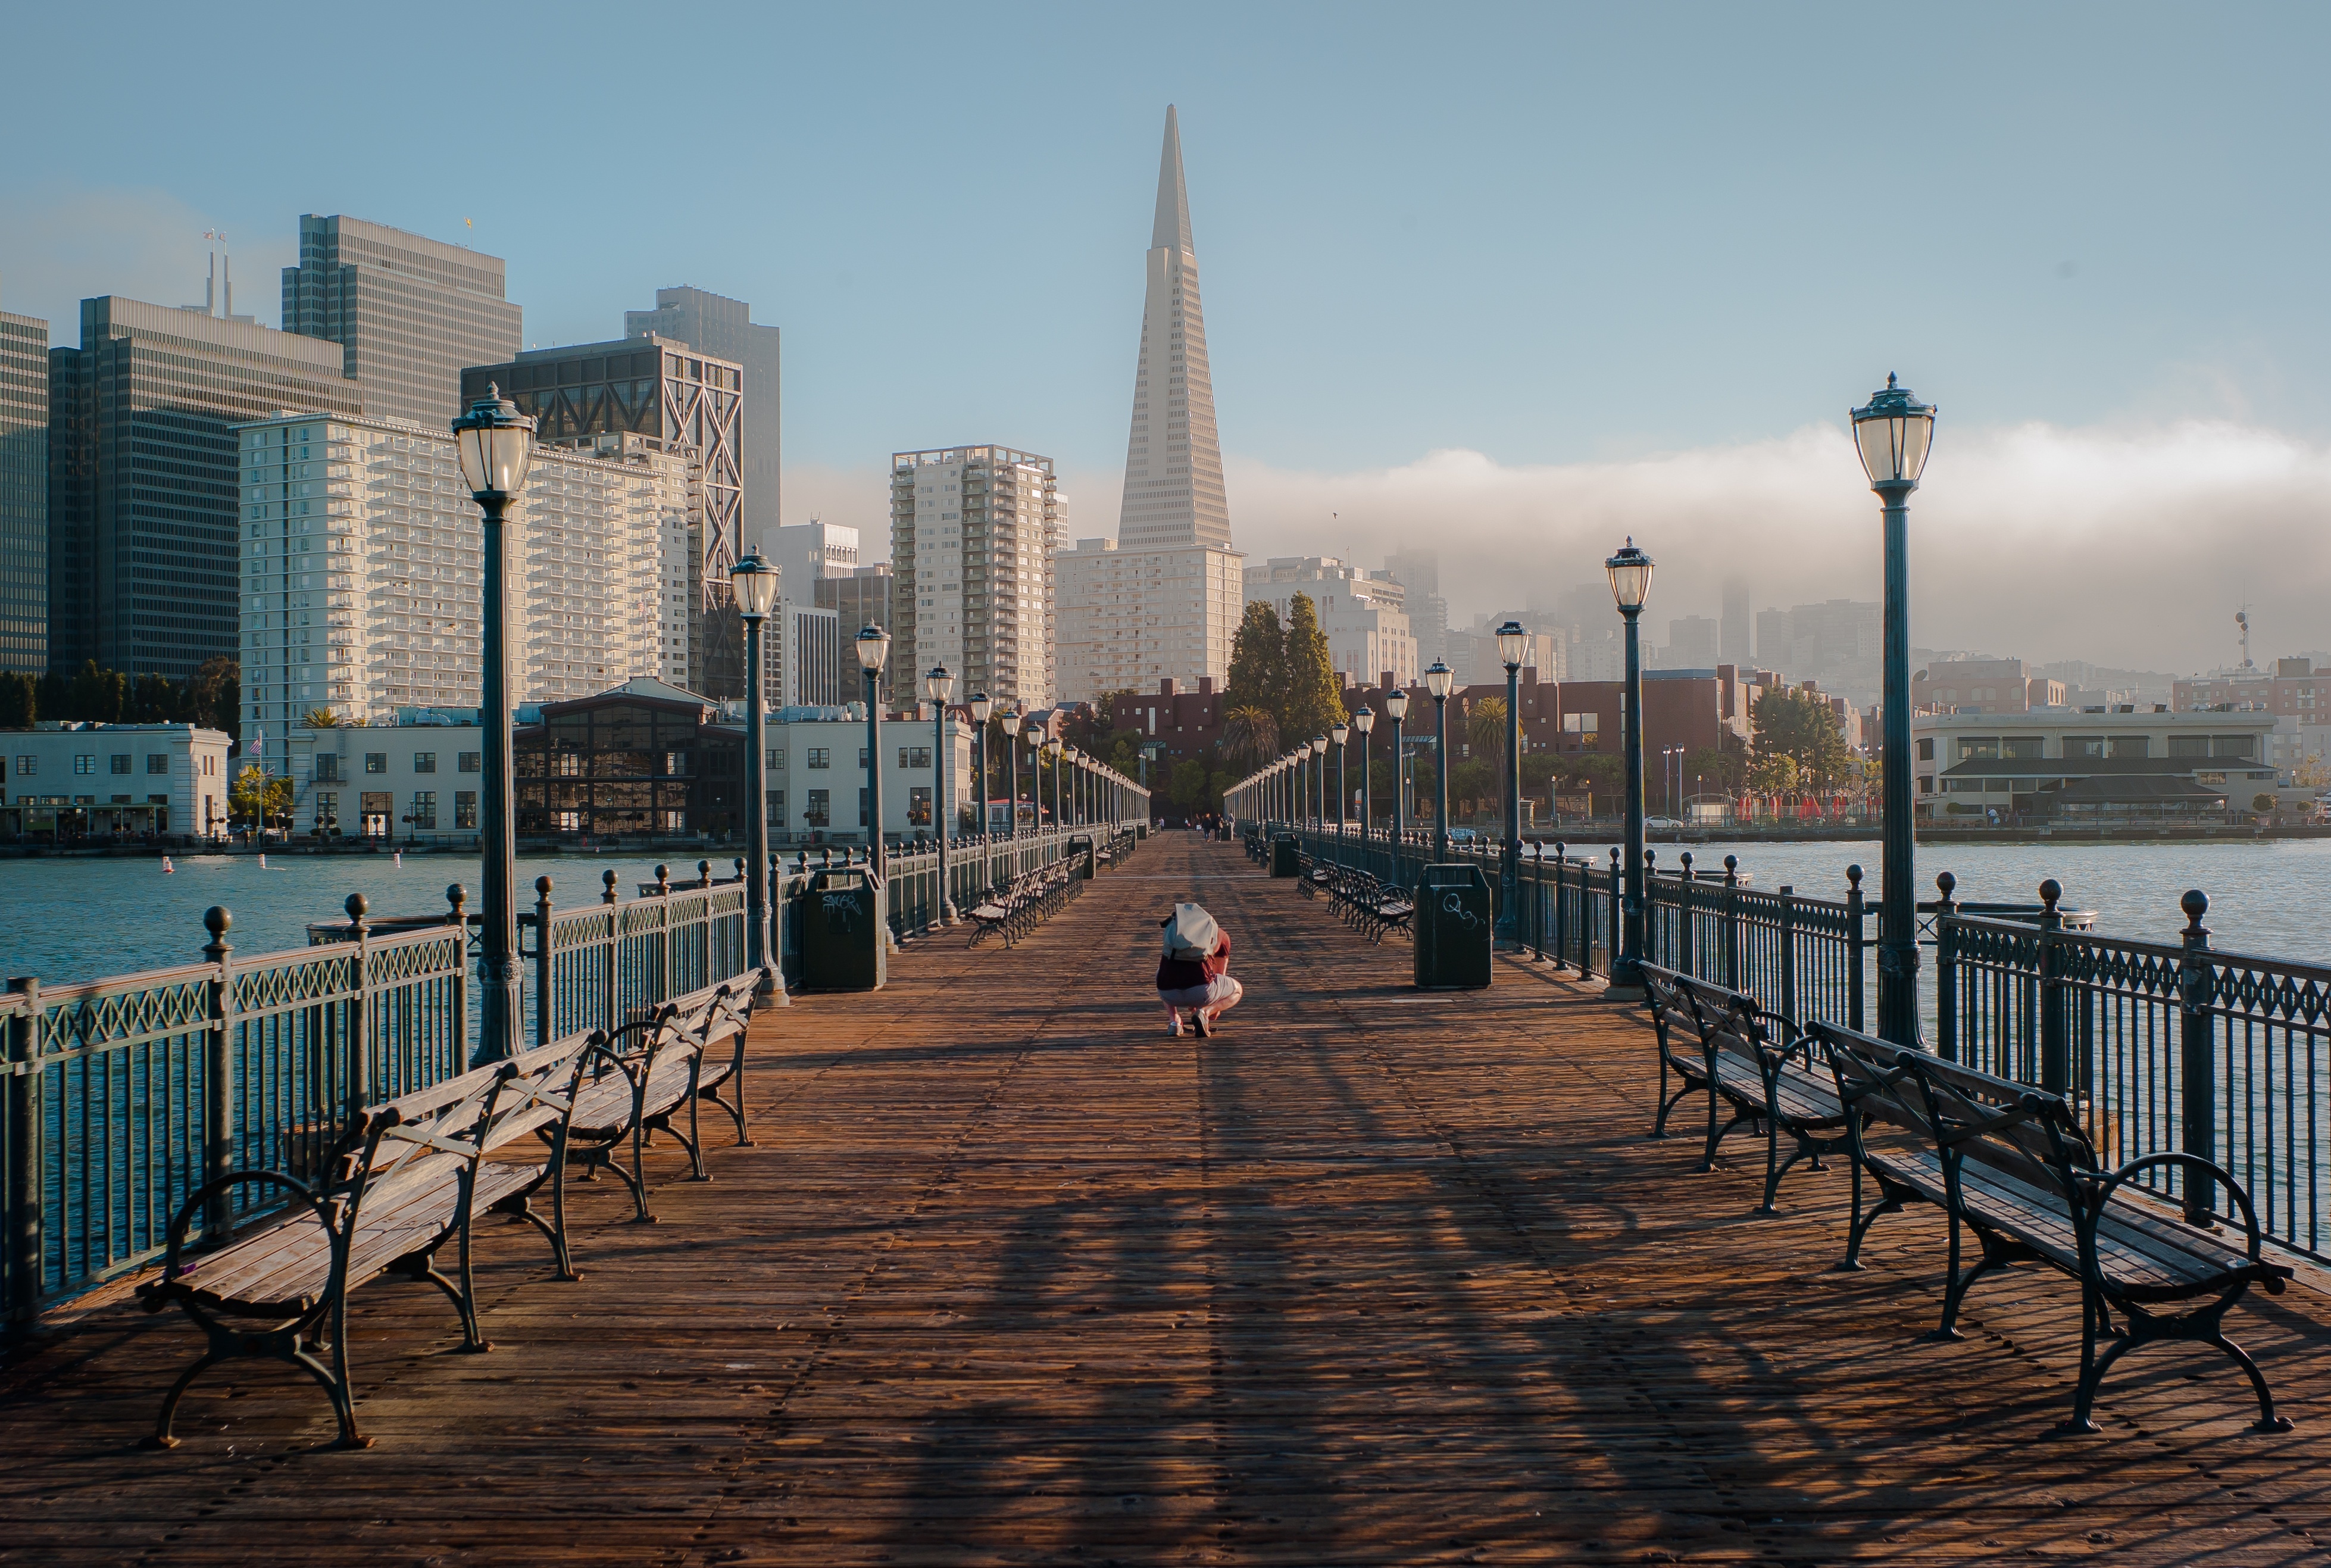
2162	1047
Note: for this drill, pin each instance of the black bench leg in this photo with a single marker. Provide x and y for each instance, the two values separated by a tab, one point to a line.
1955	1294
2268	1421
336	1380
2092	1375
162	1438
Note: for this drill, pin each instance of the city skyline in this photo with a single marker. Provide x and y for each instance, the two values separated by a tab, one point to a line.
2092	273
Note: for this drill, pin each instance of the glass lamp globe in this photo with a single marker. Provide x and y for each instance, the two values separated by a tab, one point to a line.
1631	576
1894	433
1396	704
496	443
939	684
1338	734
874	648
1438	679
755	583
1513	645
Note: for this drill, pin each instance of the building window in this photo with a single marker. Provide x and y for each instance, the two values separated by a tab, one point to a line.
914	756
2130	745
1927	749
425	762
465	808
776	808
327	811
820	756
777	761
328	766
26	766
820	811
918	806
2232	746
2189	745
862	806
85	762
119	762
425	809
376	762
861	757
468	761
1925	786
1973	747
2026	747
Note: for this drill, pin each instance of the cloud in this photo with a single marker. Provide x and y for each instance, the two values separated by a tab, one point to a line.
61	247
2129	547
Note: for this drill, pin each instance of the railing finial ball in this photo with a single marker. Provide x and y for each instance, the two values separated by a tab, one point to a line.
456	894
542	884
2049	891
216	919
2196	904
355	906
1947	882
1732	863
608	876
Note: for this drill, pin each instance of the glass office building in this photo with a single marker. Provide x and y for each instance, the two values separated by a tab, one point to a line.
24	494
143	487
409	313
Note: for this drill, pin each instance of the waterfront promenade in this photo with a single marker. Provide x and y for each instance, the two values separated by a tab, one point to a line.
1010	1277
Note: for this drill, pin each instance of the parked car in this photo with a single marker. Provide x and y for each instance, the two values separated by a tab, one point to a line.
1462	835
1662	824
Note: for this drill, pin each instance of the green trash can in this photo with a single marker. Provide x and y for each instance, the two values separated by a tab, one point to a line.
842	932
1453	924
1286	859
1080	852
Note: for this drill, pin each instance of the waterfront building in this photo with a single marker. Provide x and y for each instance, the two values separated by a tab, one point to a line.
362	570
717	325
2045	762
816	767
65	781
143	484
409	313
973	531
1363	613
1982	686
1127	619
24	494
413	778
674	399
644	758
2294	689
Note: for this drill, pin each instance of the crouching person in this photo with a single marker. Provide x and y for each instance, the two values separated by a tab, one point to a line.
1194	971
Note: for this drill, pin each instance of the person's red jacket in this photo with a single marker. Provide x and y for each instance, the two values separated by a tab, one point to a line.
1184	974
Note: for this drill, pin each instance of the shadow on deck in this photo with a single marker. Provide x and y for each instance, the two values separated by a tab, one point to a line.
1374	1276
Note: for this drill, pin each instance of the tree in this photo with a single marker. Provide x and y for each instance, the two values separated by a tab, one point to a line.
2311	773
1772	773
1711	768
97	695
321	719
1475	782
20	700
1315	696
1250	735
1258	673
1188	790
1800	727
261	796
1598	772
1485	731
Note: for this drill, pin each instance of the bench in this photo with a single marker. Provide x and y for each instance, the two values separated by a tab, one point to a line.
645	1072
1020	905
409	1176
1370	905
1756	1061
2019	1171
1682	1041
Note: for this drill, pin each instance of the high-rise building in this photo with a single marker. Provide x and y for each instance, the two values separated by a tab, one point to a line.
716	325
24	493
409	313
1127	619
1361	612
1174	459
1776	639
973	529
1737	641
143	484
363	594
1419	571
860	600
677	399
1692	643
806	671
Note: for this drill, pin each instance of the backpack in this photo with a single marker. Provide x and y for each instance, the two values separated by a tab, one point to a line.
1190	934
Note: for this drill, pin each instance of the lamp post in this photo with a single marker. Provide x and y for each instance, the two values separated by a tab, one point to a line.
1893	434
938	686
1319	783
1631	583
873	653
1052	755
1364	721
1513	646
1338	733
1010	725
1437	682
754	582
496	443
1396	705
981	705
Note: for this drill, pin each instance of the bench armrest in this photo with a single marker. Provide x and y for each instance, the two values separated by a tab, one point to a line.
2271	1275
154	1293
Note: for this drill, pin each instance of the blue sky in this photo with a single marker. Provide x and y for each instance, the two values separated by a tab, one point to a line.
1552	236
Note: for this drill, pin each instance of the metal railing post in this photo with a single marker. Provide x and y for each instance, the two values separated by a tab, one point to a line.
356	1074
2197	1054
456	896
27	1241
2055	1053
1788	951
664	933
1653	953
1946	970
218	1069
1611	954
1855	940
1685	961
608	980
543	1007
1732	922
1561	916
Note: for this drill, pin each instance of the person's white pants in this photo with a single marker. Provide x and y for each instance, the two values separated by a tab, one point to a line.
1218	995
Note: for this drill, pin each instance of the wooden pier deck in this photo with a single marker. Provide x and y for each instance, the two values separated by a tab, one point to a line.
1010	1277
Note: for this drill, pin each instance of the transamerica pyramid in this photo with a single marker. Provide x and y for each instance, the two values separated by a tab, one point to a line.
1174	459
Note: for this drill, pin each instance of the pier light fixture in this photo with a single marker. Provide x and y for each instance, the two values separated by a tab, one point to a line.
1631	577
1894	432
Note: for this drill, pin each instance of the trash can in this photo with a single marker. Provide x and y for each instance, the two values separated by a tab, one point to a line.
1286	859
1081	851
1140	832
842	932
1453	926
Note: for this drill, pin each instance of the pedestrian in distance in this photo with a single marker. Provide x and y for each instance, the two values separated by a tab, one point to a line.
1194	972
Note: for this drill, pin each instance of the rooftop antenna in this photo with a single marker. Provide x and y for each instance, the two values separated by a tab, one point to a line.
2242	619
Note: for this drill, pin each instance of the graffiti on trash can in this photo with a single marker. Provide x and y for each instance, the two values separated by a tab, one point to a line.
1455	904
841	911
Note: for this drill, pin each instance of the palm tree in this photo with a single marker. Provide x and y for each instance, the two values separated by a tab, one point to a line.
1249	736
1485	729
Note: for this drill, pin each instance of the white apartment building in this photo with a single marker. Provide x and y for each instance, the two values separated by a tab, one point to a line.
418	779
1968	763
817	774
363	570
972	530
1127	619
98	779
1363	613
